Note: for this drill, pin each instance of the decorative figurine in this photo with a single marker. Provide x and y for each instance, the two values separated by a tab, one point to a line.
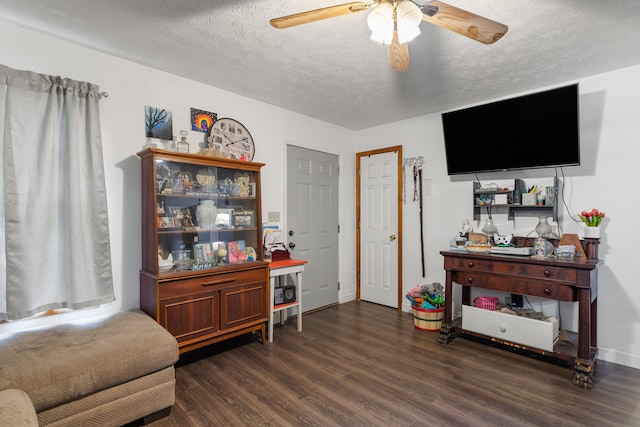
183	145
466	228
241	181
221	252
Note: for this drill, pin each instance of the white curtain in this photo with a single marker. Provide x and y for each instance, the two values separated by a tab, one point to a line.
54	232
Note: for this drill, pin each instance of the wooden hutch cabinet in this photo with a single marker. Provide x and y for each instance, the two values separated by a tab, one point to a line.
201	216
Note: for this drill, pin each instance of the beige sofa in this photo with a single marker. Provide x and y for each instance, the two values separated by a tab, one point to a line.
108	373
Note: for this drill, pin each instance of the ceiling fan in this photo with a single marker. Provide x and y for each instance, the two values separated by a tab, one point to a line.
395	22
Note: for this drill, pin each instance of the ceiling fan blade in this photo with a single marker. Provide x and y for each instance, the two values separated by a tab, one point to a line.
462	22
398	54
319	14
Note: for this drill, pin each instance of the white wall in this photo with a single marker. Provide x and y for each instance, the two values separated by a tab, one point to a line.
610	125
130	87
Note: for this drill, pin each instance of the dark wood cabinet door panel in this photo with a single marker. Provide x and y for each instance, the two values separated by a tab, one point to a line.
192	316
242	304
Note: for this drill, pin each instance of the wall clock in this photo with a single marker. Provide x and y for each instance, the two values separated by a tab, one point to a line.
232	139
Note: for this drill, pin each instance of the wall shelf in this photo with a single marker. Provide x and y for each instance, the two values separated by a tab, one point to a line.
512	201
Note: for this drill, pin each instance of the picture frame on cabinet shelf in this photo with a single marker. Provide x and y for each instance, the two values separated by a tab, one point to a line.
244	219
252	189
203	253
224	217
165	222
237	251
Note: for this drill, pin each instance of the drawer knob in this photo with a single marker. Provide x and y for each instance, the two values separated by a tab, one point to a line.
469	279
547	273
547	291
470	264
503	328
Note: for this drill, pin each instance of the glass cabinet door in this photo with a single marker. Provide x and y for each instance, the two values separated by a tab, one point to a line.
206	216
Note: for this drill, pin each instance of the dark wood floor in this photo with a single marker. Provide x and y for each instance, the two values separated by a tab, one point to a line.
360	364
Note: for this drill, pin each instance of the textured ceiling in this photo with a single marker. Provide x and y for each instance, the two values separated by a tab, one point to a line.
330	69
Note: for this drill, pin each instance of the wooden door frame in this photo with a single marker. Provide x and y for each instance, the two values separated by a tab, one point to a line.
398	149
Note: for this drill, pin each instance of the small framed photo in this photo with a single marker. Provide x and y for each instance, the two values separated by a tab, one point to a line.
244	219
252	189
224	216
166	222
237	251
203	252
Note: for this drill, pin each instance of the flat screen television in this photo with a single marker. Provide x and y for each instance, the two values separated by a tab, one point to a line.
537	130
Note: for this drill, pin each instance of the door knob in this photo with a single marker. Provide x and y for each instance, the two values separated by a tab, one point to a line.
292	245
392	237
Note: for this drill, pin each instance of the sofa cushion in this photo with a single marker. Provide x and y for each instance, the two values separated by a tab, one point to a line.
16	409
67	362
116	406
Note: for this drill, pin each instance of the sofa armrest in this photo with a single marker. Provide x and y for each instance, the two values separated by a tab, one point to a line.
16	409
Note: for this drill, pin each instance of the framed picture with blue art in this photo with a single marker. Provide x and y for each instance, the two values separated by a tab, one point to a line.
158	123
202	120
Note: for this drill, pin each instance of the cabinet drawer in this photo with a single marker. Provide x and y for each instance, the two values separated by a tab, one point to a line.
470	279
564	275
516	329
524	286
200	284
517	285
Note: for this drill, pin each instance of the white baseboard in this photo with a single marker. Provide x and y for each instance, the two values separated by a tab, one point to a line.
618	357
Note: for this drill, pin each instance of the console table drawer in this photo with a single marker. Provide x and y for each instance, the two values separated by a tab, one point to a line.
517	285
565	275
523	286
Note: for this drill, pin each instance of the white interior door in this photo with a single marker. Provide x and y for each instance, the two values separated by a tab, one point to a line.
312	222
379	228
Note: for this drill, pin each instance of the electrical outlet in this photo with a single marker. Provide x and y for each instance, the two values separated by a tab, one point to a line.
273	216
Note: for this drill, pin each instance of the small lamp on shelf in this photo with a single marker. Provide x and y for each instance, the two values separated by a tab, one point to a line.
490	229
543	228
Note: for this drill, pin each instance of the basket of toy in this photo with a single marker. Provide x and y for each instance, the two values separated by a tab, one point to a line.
427	305
427	320
487	303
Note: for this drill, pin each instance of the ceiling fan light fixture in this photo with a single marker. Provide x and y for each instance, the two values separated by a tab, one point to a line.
380	22
409	18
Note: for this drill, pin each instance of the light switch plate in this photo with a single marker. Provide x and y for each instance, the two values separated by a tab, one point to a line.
273	216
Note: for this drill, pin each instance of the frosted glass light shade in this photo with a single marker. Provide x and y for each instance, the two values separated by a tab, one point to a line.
409	18
381	24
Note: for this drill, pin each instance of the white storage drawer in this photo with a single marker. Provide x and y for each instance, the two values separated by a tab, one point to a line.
530	332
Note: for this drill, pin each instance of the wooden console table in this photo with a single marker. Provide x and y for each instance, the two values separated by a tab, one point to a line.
547	278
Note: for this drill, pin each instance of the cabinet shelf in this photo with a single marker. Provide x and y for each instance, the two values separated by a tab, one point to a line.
279	307
213	230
